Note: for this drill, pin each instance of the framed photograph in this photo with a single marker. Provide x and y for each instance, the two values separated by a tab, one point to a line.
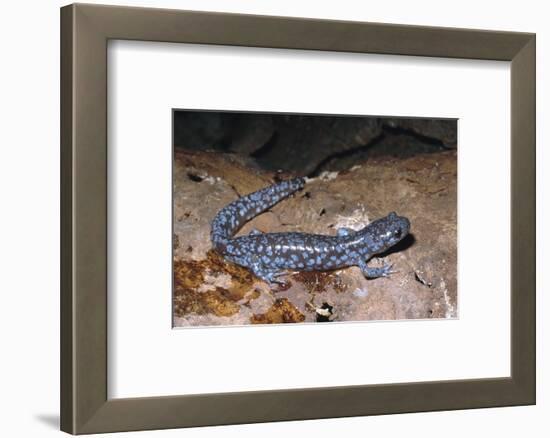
269	218
243	255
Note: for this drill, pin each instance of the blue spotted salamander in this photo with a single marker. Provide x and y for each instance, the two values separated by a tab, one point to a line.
268	255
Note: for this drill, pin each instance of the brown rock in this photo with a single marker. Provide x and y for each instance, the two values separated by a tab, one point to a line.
210	291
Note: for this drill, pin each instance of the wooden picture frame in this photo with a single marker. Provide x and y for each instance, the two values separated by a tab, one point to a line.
85	31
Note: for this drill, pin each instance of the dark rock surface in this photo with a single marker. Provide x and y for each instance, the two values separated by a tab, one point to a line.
310	144
210	291
443	130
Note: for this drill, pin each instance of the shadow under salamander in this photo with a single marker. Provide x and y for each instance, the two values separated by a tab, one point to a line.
404	244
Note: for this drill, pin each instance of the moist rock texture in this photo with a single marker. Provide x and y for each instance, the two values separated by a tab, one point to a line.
210	291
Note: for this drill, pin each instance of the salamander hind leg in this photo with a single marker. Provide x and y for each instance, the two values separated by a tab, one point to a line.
368	272
269	275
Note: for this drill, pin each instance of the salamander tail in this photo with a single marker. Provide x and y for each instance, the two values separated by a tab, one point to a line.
233	216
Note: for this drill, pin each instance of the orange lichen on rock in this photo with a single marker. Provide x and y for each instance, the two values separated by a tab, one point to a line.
282	311
194	294
319	281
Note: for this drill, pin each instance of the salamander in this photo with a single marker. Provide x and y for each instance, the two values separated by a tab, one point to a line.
270	255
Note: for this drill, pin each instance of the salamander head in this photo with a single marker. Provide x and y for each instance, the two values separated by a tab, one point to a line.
383	233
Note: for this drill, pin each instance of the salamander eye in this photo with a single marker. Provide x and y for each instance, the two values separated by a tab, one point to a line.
397	233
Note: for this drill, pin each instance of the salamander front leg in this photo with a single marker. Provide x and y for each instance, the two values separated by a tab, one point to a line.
383	271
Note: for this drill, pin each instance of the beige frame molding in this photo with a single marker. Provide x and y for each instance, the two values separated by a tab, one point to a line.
85	31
